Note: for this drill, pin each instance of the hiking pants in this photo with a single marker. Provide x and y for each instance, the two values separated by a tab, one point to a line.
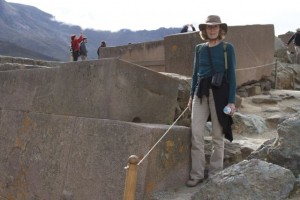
200	114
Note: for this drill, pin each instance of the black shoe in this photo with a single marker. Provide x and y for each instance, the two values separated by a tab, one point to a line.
193	182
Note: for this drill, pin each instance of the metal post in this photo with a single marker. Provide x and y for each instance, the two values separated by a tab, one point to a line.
131	178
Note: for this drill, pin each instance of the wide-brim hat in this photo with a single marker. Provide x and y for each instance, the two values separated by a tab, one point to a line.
213	20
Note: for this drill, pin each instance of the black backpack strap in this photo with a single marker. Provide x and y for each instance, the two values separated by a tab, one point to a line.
225	58
225	55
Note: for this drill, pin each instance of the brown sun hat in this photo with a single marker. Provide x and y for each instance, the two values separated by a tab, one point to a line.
213	20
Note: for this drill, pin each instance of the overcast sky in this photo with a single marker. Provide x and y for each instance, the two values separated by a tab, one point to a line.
114	15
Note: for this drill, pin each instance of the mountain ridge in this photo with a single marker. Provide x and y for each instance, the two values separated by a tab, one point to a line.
27	27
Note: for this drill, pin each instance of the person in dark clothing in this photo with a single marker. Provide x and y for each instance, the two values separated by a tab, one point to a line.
102	45
207	101
83	50
187	28
75	46
296	38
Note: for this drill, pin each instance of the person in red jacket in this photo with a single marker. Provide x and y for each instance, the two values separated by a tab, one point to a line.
75	45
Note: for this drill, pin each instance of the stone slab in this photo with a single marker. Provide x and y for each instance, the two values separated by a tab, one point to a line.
47	156
106	88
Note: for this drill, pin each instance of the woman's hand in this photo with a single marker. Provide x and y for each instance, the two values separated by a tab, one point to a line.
232	107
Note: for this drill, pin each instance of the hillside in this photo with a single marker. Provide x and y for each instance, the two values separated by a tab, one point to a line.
26	27
11	49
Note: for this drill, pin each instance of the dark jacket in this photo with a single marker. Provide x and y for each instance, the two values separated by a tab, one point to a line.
221	100
103	44
83	50
186	27
296	38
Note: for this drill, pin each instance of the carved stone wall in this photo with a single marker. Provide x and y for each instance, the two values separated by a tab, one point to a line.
147	54
254	48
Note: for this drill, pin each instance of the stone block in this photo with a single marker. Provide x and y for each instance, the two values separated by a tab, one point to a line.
106	88
48	156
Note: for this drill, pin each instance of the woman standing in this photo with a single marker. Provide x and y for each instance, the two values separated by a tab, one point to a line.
75	46
207	101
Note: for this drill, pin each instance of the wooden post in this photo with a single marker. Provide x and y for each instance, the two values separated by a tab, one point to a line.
131	178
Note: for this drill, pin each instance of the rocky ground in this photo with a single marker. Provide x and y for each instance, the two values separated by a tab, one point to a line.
277	105
260	110
273	108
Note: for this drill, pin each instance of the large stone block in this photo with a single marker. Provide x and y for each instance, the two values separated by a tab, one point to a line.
254	49
47	156
147	54
106	88
179	52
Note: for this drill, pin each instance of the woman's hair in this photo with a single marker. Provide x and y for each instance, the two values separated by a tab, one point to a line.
203	34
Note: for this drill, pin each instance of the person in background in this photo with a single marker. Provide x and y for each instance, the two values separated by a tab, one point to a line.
83	50
75	46
102	44
187	28
207	101
296	39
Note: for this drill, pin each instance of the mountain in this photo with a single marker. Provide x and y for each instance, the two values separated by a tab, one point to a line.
11	49
26	27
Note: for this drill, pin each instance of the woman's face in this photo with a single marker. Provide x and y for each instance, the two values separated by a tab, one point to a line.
212	31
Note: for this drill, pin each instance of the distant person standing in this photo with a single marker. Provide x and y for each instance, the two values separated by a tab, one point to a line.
75	46
296	39
102	45
83	50
187	28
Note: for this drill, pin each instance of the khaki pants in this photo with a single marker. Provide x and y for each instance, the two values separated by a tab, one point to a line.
200	113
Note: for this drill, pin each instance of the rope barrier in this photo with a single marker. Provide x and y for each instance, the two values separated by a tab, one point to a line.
256	66
287	68
162	136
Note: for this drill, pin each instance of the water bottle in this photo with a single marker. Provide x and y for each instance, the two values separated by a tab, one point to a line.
227	110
